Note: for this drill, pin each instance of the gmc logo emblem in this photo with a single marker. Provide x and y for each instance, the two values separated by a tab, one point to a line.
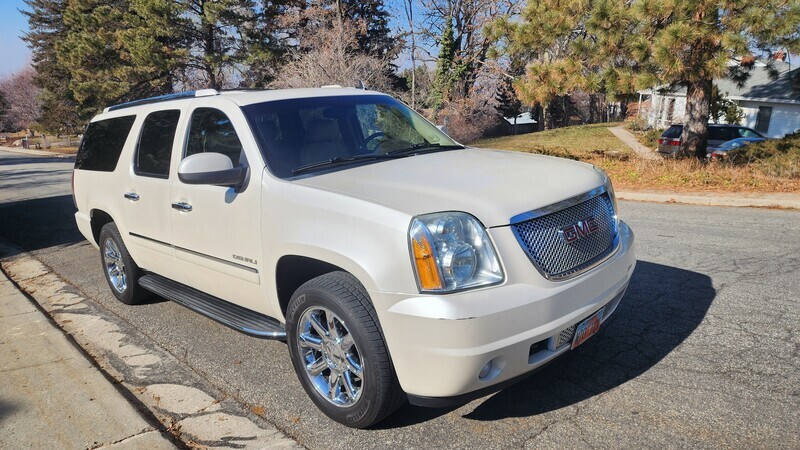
579	230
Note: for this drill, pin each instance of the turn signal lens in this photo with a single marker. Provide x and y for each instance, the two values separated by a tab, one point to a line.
452	251
427	271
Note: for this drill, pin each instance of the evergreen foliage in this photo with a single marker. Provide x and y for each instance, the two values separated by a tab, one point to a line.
619	46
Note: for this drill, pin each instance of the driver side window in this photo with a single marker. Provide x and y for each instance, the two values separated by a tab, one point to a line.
211	131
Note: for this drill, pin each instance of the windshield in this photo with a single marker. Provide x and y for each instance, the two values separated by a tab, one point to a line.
311	134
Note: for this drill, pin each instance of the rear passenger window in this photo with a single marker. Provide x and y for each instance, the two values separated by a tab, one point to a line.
212	132
103	143
155	143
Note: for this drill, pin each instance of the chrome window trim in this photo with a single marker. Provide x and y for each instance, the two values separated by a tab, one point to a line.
555	207
558	206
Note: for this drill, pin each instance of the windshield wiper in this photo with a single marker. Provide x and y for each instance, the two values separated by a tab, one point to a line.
343	159
424	147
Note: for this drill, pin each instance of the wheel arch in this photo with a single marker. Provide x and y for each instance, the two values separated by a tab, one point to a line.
293	270
99	218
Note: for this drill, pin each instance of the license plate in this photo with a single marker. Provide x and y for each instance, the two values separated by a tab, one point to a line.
587	328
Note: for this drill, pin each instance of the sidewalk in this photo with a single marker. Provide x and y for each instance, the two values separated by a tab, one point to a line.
33	152
630	140
51	396
740	199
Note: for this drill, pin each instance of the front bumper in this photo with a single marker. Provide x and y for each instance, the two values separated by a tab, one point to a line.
440	343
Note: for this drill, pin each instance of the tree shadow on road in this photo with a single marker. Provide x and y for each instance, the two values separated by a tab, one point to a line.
662	307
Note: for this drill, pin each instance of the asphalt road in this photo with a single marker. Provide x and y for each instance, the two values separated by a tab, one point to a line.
704	350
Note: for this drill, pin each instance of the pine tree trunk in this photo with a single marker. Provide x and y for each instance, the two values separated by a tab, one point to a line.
695	130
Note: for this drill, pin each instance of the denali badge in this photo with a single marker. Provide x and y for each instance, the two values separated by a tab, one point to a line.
579	230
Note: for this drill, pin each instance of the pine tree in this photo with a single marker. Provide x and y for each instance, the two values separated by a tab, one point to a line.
46	25
375	37
444	77
620	46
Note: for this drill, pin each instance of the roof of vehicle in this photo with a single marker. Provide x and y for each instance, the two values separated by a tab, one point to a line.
244	97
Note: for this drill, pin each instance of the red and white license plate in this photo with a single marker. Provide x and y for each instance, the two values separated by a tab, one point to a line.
587	328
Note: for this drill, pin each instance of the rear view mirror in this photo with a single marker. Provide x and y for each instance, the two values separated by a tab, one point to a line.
211	168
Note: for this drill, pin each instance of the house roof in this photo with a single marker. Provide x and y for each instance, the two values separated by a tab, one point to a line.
759	86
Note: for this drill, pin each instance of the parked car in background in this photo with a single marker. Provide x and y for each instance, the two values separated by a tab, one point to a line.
720	151
669	144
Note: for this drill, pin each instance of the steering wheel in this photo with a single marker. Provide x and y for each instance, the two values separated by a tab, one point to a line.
370	138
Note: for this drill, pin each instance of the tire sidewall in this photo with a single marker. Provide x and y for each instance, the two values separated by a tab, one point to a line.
353	416
129	297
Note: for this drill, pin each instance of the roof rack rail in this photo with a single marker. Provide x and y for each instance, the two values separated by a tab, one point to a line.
163	98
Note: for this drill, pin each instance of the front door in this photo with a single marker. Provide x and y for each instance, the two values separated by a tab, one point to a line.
216	229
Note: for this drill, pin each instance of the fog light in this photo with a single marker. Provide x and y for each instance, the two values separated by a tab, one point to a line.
486	370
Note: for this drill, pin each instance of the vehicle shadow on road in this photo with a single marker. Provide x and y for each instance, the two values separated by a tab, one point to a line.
39	223
662	307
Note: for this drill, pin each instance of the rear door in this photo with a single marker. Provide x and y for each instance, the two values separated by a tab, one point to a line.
216	229
147	193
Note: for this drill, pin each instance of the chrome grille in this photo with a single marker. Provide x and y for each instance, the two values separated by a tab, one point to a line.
565	337
556	259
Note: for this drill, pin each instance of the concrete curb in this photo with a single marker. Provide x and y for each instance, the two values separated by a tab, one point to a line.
195	412
33	152
754	200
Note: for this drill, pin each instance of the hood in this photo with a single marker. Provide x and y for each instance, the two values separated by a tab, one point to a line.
492	185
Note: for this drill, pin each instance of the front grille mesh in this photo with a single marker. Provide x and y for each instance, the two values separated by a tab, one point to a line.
565	337
552	255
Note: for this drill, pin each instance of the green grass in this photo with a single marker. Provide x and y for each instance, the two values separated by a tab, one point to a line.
577	142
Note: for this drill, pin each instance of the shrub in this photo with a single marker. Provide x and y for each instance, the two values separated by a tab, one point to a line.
775	157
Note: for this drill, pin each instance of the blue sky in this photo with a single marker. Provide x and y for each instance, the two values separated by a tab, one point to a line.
14	54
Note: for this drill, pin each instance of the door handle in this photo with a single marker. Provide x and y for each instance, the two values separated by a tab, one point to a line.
131	196
182	206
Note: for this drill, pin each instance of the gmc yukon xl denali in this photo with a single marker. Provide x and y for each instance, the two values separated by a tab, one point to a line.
397	264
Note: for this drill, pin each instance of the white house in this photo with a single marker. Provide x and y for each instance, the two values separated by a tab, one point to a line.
771	106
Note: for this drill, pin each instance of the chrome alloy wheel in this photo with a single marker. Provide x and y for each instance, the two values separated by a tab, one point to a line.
332	361
115	266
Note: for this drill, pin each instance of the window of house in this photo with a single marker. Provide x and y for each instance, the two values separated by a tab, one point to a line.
762	121
155	143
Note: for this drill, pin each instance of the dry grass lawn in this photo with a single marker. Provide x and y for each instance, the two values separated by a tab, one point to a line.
596	145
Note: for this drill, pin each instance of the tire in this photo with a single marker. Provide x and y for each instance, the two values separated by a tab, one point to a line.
356	343
120	271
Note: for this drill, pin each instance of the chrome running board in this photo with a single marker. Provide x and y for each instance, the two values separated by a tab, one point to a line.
234	316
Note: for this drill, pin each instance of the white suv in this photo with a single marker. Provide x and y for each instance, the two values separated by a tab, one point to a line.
398	264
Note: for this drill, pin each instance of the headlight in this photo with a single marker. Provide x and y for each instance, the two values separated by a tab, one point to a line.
451	252
610	189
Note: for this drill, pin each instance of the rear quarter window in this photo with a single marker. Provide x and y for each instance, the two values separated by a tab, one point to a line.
102	144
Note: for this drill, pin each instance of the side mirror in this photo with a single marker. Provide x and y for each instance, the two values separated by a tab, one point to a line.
211	168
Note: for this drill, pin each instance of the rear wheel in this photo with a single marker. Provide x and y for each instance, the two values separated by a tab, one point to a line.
121	272
338	351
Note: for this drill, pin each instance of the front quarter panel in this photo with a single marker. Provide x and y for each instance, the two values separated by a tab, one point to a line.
363	238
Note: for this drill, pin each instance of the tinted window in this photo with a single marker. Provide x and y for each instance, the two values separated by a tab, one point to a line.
103	143
212	132
673	132
155	143
722	133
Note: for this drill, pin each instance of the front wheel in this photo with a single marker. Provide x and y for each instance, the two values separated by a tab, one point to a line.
338	351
